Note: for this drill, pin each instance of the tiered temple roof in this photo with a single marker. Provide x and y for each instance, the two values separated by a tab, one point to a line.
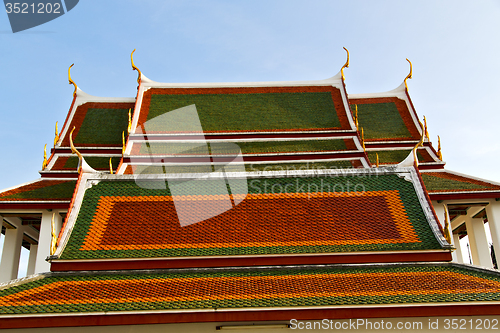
279	198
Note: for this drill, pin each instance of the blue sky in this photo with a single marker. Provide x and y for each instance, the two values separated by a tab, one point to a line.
454	47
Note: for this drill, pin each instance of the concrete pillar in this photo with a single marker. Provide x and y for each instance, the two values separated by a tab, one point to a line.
44	243
32	259
458	254
479	246
493	213
11	254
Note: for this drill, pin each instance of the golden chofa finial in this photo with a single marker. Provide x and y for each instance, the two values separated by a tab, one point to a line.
363	138
71	81
425	129
74	151
129	128
135	68
377	160
44	164
56	138
346	65
439	153
53	242
446	225
110	166
83	167
123	143
409	75
356	117
419	144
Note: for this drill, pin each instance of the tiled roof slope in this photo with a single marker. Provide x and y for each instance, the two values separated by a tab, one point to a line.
70	163
385	119
240	289
252	109
98	124
41	190
391	128
269	122
447	181
280	215
249	167
247	147
396	156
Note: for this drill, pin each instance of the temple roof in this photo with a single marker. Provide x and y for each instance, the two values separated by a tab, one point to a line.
269	122
243	289
317	211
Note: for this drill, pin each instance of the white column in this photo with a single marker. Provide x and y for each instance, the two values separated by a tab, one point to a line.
44	243
11	254
493	213
479	246
32	259
458	254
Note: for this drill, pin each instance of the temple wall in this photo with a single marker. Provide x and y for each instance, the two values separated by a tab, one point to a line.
408	324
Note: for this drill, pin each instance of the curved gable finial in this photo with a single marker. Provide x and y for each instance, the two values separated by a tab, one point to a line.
419	144
74	151
409	74
135	68
53	236
110	166
56	138
439	152
45	162
71	81
83	167
346	65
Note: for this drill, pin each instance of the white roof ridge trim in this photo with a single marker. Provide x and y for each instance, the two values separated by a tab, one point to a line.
335	80
400	91
82	97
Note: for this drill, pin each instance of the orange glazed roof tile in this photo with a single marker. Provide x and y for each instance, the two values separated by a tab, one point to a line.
120	218
283	287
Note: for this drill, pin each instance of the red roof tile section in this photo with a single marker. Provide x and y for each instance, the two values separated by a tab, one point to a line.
128	223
